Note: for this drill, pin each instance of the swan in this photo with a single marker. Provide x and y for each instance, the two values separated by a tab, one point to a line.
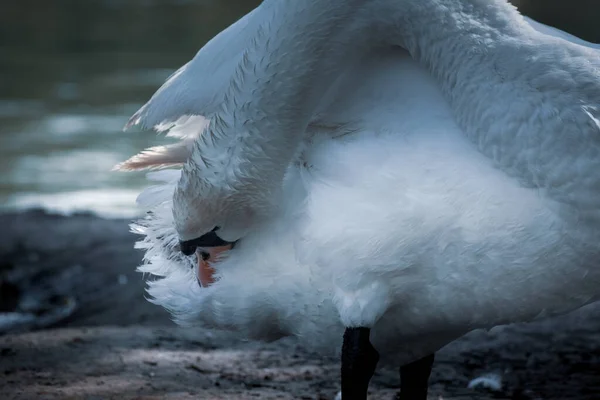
387	175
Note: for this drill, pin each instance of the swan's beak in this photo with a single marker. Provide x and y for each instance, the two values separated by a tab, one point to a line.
206	257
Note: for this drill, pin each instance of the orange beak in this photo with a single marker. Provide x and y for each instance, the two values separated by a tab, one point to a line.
205	270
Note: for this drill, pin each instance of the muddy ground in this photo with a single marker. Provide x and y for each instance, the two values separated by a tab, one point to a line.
76	326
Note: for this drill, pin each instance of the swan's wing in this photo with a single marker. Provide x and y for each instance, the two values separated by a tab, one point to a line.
198	86
555	32
389	91
193	92
197	89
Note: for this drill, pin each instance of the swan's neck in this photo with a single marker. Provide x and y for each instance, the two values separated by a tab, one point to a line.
294	58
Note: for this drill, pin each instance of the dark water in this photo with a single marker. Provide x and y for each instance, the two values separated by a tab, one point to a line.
73	71
579	17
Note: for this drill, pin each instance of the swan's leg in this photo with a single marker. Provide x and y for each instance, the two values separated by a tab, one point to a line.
414	379
359	359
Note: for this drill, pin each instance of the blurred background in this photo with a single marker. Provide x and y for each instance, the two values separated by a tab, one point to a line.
73	71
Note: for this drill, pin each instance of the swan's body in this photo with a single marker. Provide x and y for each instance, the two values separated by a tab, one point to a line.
426	198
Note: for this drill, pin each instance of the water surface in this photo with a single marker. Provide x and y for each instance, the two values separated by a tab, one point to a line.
71	74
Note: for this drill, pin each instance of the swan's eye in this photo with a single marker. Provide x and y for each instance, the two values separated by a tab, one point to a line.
210	239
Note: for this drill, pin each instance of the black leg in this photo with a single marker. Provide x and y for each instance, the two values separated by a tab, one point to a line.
414	379
359	359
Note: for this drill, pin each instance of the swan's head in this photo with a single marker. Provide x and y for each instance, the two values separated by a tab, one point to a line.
217	208
204	220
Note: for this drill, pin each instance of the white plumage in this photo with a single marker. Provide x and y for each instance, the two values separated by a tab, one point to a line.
445	186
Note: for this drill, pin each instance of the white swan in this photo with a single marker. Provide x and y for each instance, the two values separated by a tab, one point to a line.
405	171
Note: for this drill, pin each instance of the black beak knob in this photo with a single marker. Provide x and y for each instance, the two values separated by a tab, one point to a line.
188	247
